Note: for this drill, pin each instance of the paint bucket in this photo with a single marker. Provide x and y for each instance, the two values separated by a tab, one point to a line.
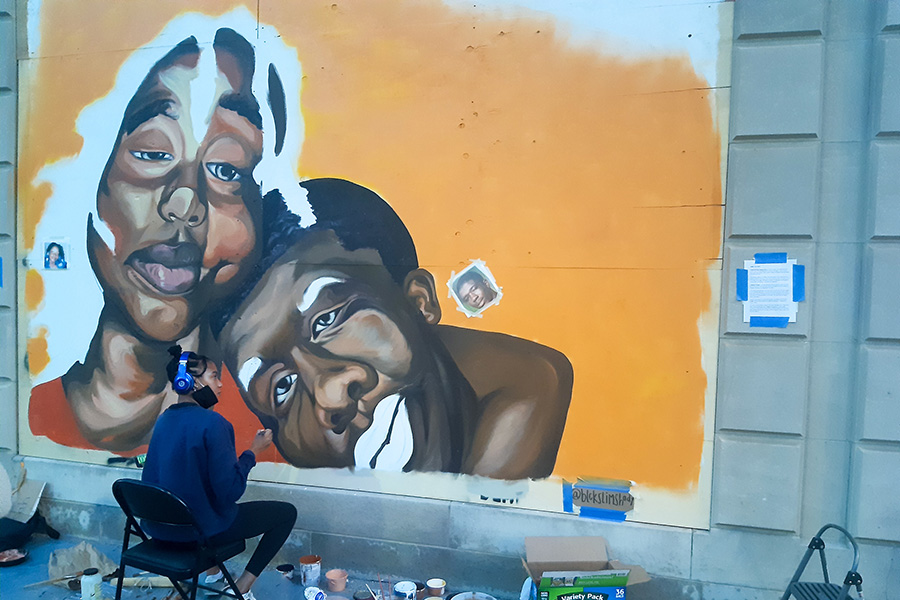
286	569
420	590
337	580
435	586
310	569
314	593
405	590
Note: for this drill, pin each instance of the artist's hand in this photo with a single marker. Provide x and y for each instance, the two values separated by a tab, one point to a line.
261	441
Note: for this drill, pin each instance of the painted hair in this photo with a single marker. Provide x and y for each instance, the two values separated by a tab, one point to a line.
359	218
196	364
50	246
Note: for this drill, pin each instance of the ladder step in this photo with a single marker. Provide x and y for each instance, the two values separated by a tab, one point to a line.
804	590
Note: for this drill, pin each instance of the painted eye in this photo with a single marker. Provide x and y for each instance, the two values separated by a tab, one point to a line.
283	388
151	155
322	322
223	171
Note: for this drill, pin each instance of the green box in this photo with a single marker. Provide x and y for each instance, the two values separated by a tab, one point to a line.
583	585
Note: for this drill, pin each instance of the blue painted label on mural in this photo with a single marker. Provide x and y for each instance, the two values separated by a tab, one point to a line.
602	499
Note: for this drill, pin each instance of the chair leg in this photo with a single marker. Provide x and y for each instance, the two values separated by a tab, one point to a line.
194	589
231	583
180	590
120	581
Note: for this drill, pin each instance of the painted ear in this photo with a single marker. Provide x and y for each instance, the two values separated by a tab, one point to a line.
420	289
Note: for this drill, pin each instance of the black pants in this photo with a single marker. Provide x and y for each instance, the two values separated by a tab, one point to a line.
273	520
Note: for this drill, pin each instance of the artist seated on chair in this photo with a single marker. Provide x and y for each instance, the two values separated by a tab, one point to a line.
192	455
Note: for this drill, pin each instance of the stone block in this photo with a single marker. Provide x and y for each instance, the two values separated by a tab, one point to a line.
7	343
846	106
888	14
874	510
886	77
736	252
762	385
884	288
757	482
885	188
746	558
841	204
826	470
7	134
661	550
836	292
361	514
777	89
832	382
7	55
762	17
850	19
8	412
772	188
8	273
7	201
880	393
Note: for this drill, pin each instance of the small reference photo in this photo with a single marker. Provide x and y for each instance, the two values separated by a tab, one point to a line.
474	289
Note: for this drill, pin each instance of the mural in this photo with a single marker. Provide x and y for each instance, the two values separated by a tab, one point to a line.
324	205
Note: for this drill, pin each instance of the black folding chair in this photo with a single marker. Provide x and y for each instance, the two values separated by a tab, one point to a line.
179	562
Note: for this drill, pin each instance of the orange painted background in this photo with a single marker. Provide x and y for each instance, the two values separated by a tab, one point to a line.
587	182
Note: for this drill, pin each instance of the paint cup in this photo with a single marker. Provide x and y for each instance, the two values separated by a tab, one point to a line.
286	569
405	590
435	586
420	591
310	569
314	593
337	580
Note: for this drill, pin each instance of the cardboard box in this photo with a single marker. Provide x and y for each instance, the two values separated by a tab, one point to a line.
588	556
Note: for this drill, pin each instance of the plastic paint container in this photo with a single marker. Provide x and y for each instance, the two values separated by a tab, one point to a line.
90	584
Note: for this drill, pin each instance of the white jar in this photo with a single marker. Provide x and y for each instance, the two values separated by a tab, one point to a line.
90	585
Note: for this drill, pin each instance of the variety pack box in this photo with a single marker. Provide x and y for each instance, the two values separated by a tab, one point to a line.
583	585
577	568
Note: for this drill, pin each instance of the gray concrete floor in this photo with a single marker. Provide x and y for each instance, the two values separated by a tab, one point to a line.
270	586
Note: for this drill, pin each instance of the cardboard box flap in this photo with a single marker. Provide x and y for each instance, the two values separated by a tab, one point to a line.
579	553
637	574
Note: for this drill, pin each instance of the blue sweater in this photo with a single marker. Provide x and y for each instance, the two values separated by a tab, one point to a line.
192	455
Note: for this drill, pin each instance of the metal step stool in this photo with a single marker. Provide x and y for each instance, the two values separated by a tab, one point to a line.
805	590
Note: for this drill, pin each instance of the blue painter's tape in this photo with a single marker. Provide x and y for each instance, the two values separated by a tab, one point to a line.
781	322
567	497
741	284
603	487
770	257
601	513
799	283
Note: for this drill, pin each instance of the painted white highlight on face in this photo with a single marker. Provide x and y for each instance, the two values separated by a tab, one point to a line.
248	371
314	289
388	440
74	181
206	88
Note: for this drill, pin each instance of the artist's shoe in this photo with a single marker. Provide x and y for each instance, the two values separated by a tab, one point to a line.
249	596
210	579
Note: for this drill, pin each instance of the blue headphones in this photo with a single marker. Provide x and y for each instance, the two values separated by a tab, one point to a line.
184	381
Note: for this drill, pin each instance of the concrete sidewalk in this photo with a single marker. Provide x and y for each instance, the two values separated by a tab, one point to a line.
270	586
